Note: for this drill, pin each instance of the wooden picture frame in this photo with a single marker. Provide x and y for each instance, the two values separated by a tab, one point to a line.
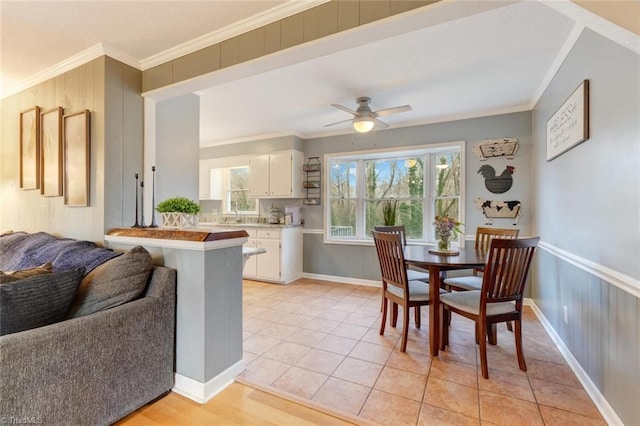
77	158
51	152
569	125
30	148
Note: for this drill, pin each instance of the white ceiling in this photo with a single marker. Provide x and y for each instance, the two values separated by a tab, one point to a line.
452	60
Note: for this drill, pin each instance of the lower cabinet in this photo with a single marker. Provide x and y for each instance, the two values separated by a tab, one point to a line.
282	262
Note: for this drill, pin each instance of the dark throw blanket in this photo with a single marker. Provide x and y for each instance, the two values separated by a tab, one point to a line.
20	250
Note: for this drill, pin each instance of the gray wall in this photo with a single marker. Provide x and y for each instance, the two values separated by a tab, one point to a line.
110	90
361	261
587	205
177	148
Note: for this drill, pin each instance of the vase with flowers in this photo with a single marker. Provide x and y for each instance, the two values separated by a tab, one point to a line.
446	228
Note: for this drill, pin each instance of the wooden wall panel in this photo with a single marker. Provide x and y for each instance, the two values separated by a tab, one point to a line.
291	31
321	21
229	52
602	332
197	63
272	38
251	45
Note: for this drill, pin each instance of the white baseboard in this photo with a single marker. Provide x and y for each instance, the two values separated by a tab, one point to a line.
592	390
342	280
203	392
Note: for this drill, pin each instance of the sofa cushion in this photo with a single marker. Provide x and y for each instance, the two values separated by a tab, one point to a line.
38	300
9	276
113	283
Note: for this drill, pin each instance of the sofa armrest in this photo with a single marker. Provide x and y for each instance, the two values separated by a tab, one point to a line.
93	369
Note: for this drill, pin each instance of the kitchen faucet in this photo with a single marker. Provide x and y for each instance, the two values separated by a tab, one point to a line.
235	209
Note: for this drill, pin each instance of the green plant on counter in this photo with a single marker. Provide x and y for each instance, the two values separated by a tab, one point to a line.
178	205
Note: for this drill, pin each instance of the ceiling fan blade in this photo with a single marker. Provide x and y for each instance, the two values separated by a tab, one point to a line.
379	123
345	109
338	122
394	110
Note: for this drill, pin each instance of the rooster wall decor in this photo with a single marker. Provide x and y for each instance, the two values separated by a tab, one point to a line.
497	184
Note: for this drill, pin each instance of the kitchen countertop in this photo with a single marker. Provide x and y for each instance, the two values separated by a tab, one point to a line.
209	225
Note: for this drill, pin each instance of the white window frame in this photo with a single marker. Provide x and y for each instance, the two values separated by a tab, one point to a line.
387	153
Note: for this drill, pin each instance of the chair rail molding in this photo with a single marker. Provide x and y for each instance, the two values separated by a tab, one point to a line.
622	281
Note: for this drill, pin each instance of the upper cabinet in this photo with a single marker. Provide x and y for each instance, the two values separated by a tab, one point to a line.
276	175
210	181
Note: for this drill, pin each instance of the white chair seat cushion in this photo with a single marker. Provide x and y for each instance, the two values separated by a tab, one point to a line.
467	283
469	301
417	275
418	291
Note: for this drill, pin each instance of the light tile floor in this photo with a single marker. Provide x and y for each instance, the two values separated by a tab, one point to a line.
320	341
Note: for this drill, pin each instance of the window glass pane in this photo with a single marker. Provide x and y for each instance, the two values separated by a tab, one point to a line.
238	193
239	178
343	218
394	178
343	179
240	201
407	212
447	174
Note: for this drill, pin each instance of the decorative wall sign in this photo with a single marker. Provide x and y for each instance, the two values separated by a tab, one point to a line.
570	124
77	159
30	148
497	184
51	152
488	148
499	209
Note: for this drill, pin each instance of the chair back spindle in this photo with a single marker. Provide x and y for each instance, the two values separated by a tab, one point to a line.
506	270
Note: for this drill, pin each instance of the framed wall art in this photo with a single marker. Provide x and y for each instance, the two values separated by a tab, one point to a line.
569	125
51	152
77	158
30	148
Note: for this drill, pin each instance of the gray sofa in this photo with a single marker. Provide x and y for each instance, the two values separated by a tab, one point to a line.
94	369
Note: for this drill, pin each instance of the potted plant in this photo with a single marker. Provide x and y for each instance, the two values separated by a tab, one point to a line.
178	212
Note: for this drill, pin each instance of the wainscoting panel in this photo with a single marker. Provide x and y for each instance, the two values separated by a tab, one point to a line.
602	329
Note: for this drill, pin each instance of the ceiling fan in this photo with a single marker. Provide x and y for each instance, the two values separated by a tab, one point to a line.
365	119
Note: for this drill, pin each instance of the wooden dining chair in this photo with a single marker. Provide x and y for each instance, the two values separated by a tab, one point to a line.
413	273
396	287
500	297
483	239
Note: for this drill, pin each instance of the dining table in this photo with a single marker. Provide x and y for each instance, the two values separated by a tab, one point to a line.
421	256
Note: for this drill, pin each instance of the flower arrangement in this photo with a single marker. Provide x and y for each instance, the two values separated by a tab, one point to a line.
445	227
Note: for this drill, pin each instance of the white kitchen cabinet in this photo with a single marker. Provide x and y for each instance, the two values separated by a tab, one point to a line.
282	262
210	184
250	266
277	175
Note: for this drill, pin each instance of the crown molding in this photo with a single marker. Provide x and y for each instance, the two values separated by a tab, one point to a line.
288	9
68	64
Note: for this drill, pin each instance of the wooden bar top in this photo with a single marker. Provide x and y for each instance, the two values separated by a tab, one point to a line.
179	234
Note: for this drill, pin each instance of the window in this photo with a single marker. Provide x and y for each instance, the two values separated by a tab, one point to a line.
237	199
393	187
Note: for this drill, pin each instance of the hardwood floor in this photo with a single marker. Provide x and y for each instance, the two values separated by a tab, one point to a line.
237	404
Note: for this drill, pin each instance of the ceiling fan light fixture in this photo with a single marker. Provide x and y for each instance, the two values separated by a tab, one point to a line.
363	124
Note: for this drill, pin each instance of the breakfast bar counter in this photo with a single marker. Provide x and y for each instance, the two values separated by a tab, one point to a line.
209	300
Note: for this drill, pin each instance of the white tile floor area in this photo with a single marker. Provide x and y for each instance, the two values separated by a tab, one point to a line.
320	341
